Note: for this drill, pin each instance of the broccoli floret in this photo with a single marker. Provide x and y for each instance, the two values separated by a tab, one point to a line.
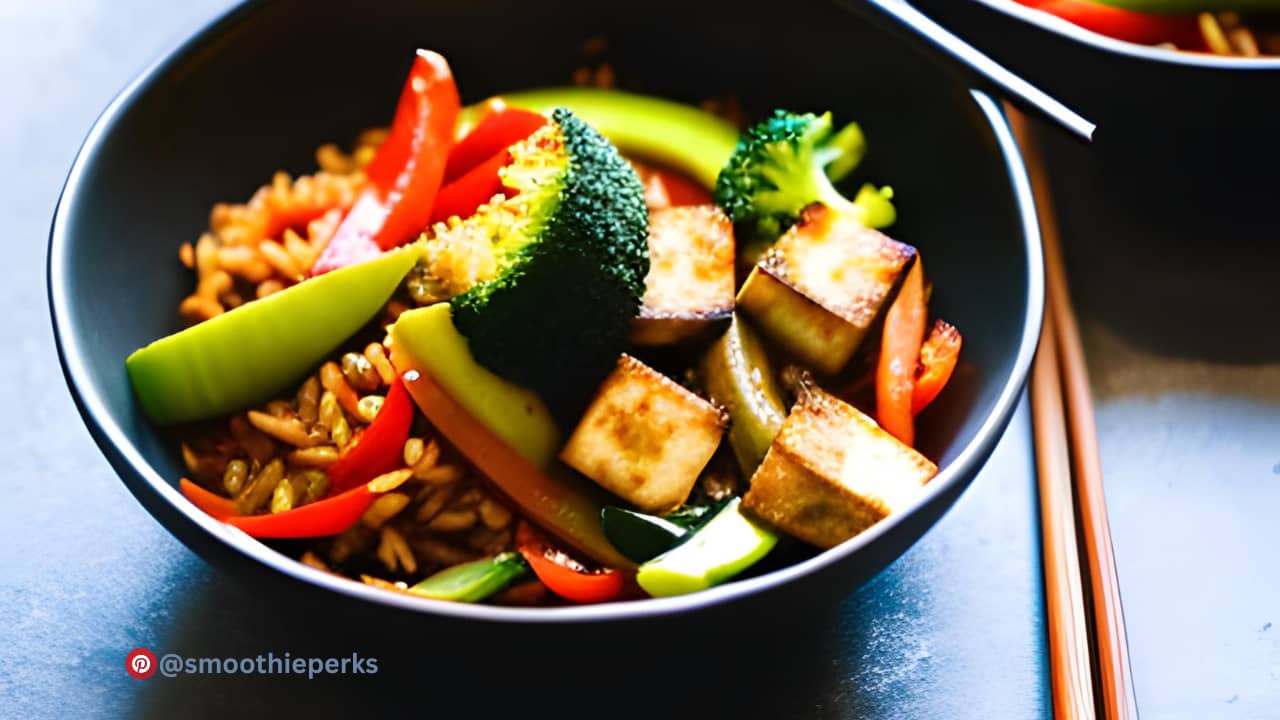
790	161
555	273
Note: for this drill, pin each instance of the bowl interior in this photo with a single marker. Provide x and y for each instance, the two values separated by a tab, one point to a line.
271	81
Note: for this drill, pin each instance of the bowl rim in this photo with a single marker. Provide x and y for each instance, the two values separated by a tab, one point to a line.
1144	53
147	484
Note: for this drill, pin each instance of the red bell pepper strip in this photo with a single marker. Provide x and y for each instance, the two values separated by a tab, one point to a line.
406	172
213	504
563	575
471	180
938	357
318	519
498	131
899	353
380	448
462	196
1129	25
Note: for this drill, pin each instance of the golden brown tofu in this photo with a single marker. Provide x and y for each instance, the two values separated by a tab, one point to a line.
690	281
822	285
832	472
644	437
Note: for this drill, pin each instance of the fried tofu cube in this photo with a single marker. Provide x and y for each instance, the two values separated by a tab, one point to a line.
690	284
644	437
832	472
821	286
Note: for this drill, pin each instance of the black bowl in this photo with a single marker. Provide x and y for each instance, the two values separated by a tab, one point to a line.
1123	87
262	86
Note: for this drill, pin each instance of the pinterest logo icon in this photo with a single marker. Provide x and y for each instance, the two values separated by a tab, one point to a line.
141	663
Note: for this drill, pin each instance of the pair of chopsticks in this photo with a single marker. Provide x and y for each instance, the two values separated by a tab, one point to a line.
1088	651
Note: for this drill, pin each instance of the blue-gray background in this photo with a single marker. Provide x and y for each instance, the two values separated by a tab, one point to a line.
953	630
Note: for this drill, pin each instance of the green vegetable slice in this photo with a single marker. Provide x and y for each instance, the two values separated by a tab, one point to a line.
639	536
728	544
473	581
679	136
259	349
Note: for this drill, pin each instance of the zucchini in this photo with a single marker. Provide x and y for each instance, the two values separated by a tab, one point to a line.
644	437
832	472
736	374
726	545
822	285
690	281
473	581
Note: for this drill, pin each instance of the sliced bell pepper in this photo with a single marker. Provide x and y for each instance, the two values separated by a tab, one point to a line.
213	504
899	353
462	196
472	177
938	357
254	352
1144	28
499	130
380	447
321	518
567	509
674	188
406	172
563	575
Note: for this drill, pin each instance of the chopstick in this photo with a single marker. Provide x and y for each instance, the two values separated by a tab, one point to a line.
1060	372
1070	664
945	48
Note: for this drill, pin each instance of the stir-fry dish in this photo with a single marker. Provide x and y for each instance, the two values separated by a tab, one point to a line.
566	345
1245	28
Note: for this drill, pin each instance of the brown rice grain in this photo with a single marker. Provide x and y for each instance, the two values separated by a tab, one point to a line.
267	287
386	482
310	559
259	446
244	261
453	521
398	587
369	407
233	478
494	514
334	381
401	555
308	399
433	504
318	457
290	431
430	456
359	372
440	474
206	259
260	488
199	309
279	259
412	451
377	357
383	509
187	255
284	495
440	552
531	592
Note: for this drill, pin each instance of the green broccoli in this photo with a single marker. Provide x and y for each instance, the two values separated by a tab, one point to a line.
790	161
544	284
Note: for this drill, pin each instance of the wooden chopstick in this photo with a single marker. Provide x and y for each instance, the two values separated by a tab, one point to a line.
1065	375
1070	664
